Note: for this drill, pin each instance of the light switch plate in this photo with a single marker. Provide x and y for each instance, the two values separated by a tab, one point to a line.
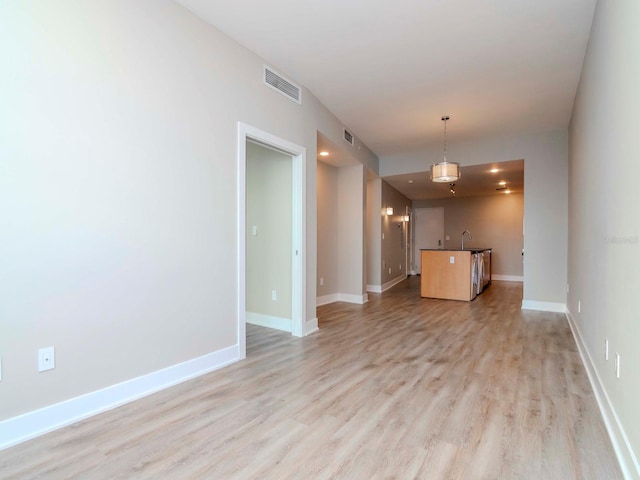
452	259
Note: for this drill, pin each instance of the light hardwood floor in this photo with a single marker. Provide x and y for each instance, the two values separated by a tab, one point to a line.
401	387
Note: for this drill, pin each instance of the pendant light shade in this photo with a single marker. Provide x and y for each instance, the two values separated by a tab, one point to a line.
445	172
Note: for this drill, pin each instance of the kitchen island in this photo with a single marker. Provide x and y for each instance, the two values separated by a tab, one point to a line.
454	274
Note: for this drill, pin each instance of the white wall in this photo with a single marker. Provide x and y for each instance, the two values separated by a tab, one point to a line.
118	174
545	201
604	234
495	221
269	252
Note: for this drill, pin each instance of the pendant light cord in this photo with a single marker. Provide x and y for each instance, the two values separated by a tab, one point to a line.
445	138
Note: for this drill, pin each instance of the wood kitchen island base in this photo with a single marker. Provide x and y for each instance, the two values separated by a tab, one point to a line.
446	274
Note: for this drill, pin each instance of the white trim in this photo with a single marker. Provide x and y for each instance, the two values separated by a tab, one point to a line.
269	321
38	422
544	306
312	326
622	447
392	283
326	299
342	297
359	299
508	278
387	285
299	264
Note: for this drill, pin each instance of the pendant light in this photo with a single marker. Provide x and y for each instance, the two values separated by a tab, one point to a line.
445	172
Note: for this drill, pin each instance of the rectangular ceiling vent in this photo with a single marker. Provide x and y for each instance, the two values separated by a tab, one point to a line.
282	85
348	136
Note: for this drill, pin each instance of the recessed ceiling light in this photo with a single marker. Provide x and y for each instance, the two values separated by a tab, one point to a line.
502	183
324	153
494	170
507	191
410	181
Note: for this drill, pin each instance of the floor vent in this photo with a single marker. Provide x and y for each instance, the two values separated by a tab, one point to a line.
348	136
282	85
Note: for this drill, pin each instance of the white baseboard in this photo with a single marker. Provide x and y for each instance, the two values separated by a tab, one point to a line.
508	278
270	321
359	299
311	326
326	299
544	306
622	447
392	283
386	286
342	297
33	424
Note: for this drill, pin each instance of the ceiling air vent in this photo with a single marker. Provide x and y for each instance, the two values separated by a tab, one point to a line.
348	136
282	85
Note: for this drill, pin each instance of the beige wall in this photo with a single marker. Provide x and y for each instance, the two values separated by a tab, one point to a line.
269	210
118	190
327	229
545	201
374	232
350	220
494	221
604	233
394	244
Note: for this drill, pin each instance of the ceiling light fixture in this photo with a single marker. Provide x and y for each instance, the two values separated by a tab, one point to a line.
502	183
324	153
494	170
444	171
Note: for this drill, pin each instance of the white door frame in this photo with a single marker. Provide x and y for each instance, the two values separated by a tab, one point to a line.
299	208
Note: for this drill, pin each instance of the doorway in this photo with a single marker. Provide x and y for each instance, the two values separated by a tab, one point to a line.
428	232
248	135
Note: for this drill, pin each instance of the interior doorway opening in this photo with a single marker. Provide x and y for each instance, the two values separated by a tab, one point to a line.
253	137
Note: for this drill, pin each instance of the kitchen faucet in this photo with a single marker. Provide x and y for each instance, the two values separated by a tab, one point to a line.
470	238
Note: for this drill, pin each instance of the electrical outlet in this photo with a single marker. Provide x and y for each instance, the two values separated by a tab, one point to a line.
617	365
274	295
400	267
46	359
579	306
389	269
321	281
606	349
452	259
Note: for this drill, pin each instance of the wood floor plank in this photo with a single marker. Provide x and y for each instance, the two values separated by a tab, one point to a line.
401	387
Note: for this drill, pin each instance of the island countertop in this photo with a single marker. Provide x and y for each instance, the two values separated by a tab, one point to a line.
470	249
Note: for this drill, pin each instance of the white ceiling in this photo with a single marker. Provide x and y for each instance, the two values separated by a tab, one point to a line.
389	71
